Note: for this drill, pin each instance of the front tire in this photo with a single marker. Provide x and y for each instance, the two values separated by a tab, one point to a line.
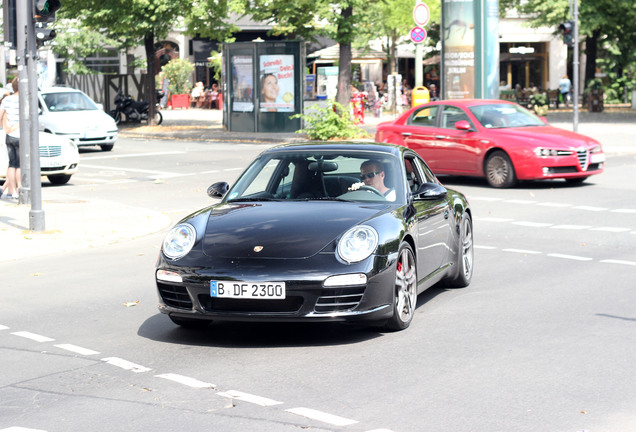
465	255
158	117
500	173
59	179
106	147
117	117
404	290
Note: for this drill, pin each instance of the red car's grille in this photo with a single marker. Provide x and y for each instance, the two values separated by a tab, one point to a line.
583	156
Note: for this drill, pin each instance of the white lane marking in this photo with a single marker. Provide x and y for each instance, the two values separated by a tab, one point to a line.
77	349
590	208
117	156
613	261
380	430
4	327
611	229
321	416
246	397
210	172
523	251
125	364
550	204
486	247
494	219
190	382
519	201
571	227
623	211
20	429
570	257
122	169
33	336
532	224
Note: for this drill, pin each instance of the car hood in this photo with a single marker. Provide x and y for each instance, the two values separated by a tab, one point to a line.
280	230
542	135
76	121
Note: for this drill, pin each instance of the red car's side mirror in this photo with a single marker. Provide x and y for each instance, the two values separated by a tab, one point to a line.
462	125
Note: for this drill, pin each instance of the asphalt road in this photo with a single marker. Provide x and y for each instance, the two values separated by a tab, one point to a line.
542	340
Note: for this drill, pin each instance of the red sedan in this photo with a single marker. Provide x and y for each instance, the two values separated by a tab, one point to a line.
495	139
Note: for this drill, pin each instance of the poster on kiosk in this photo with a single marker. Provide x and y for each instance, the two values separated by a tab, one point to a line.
277	83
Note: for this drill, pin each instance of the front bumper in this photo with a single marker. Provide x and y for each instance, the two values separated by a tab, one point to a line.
307	299
577	165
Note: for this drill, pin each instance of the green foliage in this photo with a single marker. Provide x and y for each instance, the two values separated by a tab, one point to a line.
216	61
329	123
539	99
178	71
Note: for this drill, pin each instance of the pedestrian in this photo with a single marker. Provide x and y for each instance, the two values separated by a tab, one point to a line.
10	119
565	85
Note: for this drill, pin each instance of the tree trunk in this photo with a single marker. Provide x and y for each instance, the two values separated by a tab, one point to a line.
591	45
151	94
393	69
343	97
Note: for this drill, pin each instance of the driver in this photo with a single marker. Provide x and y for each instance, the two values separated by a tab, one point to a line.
372	174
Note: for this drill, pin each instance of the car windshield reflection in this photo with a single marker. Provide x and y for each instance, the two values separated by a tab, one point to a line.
499	116
70	101
316	176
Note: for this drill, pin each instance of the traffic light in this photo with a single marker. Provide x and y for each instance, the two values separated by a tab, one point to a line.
567	30
8	12
44	10
43	34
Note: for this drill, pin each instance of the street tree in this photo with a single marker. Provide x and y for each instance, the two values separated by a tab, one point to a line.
142	22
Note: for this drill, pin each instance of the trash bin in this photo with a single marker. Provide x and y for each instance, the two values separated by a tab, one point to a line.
419	96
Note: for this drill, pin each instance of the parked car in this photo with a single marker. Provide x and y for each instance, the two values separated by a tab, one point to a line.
59	158
299	237
71	113
495	139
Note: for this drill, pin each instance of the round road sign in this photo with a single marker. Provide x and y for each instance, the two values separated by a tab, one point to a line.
418	34
421	14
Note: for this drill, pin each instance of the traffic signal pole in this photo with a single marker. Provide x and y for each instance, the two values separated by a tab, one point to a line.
31	188
575	66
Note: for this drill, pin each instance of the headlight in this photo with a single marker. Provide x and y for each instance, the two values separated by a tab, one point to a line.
596	149
546	152
179	241
357	243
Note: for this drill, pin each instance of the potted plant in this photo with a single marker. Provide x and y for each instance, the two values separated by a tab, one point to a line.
179	71
594	95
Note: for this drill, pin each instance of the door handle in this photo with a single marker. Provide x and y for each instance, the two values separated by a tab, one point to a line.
441	136
406	133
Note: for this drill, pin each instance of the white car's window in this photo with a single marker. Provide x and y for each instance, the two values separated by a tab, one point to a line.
68	101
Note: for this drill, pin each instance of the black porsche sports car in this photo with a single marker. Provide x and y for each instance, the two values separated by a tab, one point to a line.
318	231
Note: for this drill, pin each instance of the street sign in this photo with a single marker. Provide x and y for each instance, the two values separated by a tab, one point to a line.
421	14
417	34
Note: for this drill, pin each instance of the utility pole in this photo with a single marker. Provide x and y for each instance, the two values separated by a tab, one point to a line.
575	65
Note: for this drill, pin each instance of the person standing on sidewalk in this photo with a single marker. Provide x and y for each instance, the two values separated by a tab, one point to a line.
10	121
565	86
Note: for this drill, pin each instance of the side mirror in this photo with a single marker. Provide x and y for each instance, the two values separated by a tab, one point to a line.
218	190
431	191
462	125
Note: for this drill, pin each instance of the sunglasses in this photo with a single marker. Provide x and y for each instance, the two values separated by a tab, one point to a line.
369	175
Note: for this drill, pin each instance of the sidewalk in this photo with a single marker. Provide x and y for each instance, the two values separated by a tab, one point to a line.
74	224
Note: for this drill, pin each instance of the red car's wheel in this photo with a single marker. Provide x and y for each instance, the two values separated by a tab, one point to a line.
500	172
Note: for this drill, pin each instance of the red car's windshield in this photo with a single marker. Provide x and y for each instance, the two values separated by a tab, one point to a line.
505	116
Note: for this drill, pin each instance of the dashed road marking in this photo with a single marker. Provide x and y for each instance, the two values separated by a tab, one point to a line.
33	336
321	416
623	211
571	227
190	382
613	261
590	208
523	251
20	429
532	224
125	364
246	397
4	327
570	257
611	229
77	349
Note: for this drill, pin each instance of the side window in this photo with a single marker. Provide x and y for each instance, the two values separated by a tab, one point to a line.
429	177
424	117
451	115
412	175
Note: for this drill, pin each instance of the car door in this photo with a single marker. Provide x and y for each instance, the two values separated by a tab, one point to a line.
460	148
431	218
419	133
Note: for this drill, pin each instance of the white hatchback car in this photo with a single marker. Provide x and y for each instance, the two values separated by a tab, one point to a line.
59	158
71	113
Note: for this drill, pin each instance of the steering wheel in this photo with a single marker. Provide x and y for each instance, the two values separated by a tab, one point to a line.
372	189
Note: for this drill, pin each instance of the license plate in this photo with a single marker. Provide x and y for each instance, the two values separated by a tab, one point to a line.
50	163
247	290
597	158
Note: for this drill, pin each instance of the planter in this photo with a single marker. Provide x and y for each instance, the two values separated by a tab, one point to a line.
180	101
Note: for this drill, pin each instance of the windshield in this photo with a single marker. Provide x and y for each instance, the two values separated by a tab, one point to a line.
68	101
334	176
505	116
